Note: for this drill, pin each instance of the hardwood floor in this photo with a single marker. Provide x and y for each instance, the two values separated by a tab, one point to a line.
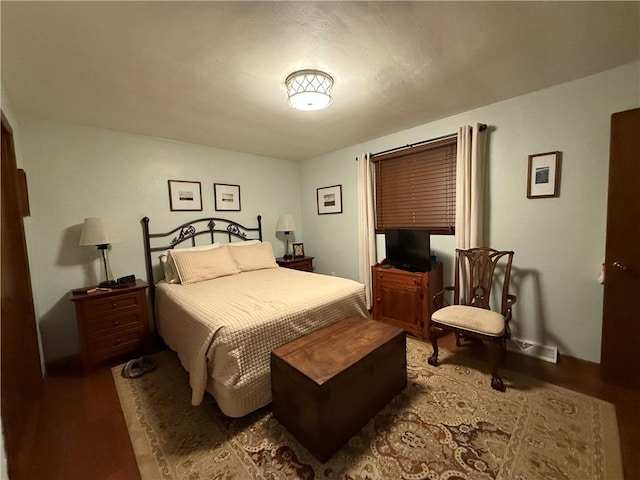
78	430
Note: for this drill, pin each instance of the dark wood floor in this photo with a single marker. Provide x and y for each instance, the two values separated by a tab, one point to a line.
78	431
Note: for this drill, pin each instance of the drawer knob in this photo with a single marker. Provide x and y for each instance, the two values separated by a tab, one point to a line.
114	305
116	323
414	281
118	341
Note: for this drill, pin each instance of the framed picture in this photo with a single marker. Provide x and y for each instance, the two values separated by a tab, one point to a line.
543	178
329	199
185	196
227	197
298	250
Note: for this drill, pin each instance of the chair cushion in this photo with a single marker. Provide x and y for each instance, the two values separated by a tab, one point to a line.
473	319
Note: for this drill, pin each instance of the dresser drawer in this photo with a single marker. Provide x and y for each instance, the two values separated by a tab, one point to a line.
398	278
113	305
115	345
98	327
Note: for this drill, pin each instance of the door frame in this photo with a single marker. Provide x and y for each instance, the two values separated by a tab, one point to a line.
20	365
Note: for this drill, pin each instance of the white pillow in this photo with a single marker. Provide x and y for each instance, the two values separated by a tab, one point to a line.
243	243
199	247
168	266
254	257
197	265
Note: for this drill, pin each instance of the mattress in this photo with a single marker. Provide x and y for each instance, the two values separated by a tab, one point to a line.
224	329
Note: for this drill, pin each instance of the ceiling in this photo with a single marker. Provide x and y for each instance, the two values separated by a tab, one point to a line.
212	73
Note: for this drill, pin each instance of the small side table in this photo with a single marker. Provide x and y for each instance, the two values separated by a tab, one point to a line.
112	323
297	263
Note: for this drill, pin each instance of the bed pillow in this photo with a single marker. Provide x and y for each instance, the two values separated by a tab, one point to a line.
168	266
197	265
243	243
254	257
200	247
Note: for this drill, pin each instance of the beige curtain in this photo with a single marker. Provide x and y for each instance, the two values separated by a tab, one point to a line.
470	184
366	224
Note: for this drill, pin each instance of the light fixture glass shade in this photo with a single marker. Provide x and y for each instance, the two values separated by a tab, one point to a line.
309	89
286	223
96	231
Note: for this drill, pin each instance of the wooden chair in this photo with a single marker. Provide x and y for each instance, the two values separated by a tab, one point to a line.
471	315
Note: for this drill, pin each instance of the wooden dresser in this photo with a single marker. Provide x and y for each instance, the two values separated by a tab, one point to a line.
112	324
405	299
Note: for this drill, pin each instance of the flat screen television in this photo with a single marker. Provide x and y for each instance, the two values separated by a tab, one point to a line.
408	248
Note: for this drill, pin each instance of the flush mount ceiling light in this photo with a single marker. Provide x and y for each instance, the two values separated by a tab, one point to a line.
309	89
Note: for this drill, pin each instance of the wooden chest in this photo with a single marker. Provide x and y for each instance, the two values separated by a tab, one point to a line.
328	385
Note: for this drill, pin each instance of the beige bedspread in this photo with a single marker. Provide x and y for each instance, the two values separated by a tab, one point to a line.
224	329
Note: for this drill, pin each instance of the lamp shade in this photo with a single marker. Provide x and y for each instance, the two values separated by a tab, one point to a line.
97	231
286	223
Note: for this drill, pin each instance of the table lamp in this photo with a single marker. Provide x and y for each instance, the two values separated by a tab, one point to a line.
286	225
96	231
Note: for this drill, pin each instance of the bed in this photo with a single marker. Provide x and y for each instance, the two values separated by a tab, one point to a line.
224	317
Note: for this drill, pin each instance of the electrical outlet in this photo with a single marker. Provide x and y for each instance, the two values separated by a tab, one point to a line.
333	274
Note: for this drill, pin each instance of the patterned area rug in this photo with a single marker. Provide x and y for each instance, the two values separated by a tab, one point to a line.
447	424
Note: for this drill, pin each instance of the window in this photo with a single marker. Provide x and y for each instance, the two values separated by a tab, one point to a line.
416	187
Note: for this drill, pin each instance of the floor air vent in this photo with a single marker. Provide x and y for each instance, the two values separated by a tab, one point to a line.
543	352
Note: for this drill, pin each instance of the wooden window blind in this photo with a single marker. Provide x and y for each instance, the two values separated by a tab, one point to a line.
416	187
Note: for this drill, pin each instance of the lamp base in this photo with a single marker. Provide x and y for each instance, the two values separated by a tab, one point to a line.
108	283
288	257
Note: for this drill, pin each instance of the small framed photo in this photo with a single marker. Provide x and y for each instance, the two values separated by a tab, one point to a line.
329	199
543	177
227	197
185	196
298	250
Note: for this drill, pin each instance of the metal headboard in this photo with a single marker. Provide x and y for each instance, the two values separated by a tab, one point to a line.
188	232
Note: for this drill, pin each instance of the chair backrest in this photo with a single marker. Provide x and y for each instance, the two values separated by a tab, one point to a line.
474	276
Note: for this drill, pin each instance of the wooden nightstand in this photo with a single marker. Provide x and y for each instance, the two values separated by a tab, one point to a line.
297	263
112	324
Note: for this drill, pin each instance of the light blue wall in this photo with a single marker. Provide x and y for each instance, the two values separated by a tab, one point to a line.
559	243
76	172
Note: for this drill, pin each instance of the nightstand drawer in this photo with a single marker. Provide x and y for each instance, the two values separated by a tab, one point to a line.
98	327
306	266
112	346
113	305
296	263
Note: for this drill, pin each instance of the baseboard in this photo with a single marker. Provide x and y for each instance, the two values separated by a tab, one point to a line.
525	347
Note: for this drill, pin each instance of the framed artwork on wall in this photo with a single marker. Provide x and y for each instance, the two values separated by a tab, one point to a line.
185	196
543	177
227	197
329	199
298	250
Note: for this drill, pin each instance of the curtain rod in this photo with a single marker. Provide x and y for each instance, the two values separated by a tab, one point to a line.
483	126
